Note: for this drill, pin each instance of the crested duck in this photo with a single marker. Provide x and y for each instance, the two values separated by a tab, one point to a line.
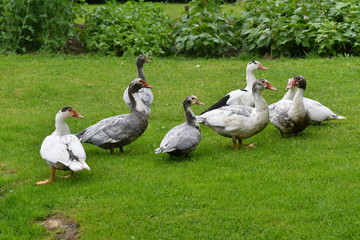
291	116
62	150
318	112
241	96
239	121
118	131
146	94
184	138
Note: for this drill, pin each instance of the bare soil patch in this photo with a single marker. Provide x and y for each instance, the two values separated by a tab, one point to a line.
65	227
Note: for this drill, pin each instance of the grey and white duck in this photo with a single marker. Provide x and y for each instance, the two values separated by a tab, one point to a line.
318	112
241	96
291	116
146	94
240	122
184	138
62	150
118	131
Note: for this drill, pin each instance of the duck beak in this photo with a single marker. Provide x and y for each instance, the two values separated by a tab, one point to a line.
77	115
269	86
147	60
199	103
262	67
147	85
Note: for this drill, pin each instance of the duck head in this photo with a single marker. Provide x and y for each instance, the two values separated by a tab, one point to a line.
137	84
262	84
254	65
141	60
191	100
68	112
297	81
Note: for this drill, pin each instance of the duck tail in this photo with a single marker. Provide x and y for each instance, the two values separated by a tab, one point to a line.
340	117
78	166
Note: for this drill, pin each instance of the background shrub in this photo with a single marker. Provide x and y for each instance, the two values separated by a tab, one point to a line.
296	28
128	29
204	31
35	25
165	1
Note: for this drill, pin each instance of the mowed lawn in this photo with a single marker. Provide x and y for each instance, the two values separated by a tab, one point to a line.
301	187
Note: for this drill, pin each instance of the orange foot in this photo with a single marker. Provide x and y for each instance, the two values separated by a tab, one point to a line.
43	182
252	145
67	176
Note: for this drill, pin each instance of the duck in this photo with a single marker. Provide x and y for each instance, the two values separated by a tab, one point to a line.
241	96
318	112
62	150
146	94
184	138
120	130
291	116
240	122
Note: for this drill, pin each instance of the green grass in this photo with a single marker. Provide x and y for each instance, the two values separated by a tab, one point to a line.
304	187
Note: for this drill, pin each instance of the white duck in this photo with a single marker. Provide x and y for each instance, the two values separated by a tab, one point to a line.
241	96
239	121
62	150
184	138
146	94
120	130
318	112
291	116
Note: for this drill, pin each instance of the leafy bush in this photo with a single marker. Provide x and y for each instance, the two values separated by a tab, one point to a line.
204	31
295	28
35	25
129	29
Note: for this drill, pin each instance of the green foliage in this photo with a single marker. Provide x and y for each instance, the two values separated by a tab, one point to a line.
295	28
204	31
129	29
34	25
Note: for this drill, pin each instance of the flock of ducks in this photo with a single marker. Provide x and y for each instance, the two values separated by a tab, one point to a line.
239	115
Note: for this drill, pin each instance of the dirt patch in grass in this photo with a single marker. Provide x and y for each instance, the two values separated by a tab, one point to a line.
5	170
64	227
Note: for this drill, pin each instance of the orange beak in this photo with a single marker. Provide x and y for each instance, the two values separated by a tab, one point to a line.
262	67
199	103
76	114
147	85
269	86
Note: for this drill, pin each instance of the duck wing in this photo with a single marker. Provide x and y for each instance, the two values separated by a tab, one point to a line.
66	150
146	96
221	103
279	113
241	97
114	129
319	112
182	137
225	116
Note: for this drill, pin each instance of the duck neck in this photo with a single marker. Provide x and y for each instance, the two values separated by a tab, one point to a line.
298	102
140	68
61	128
261	105
190	116
250	79
136	104
290	94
